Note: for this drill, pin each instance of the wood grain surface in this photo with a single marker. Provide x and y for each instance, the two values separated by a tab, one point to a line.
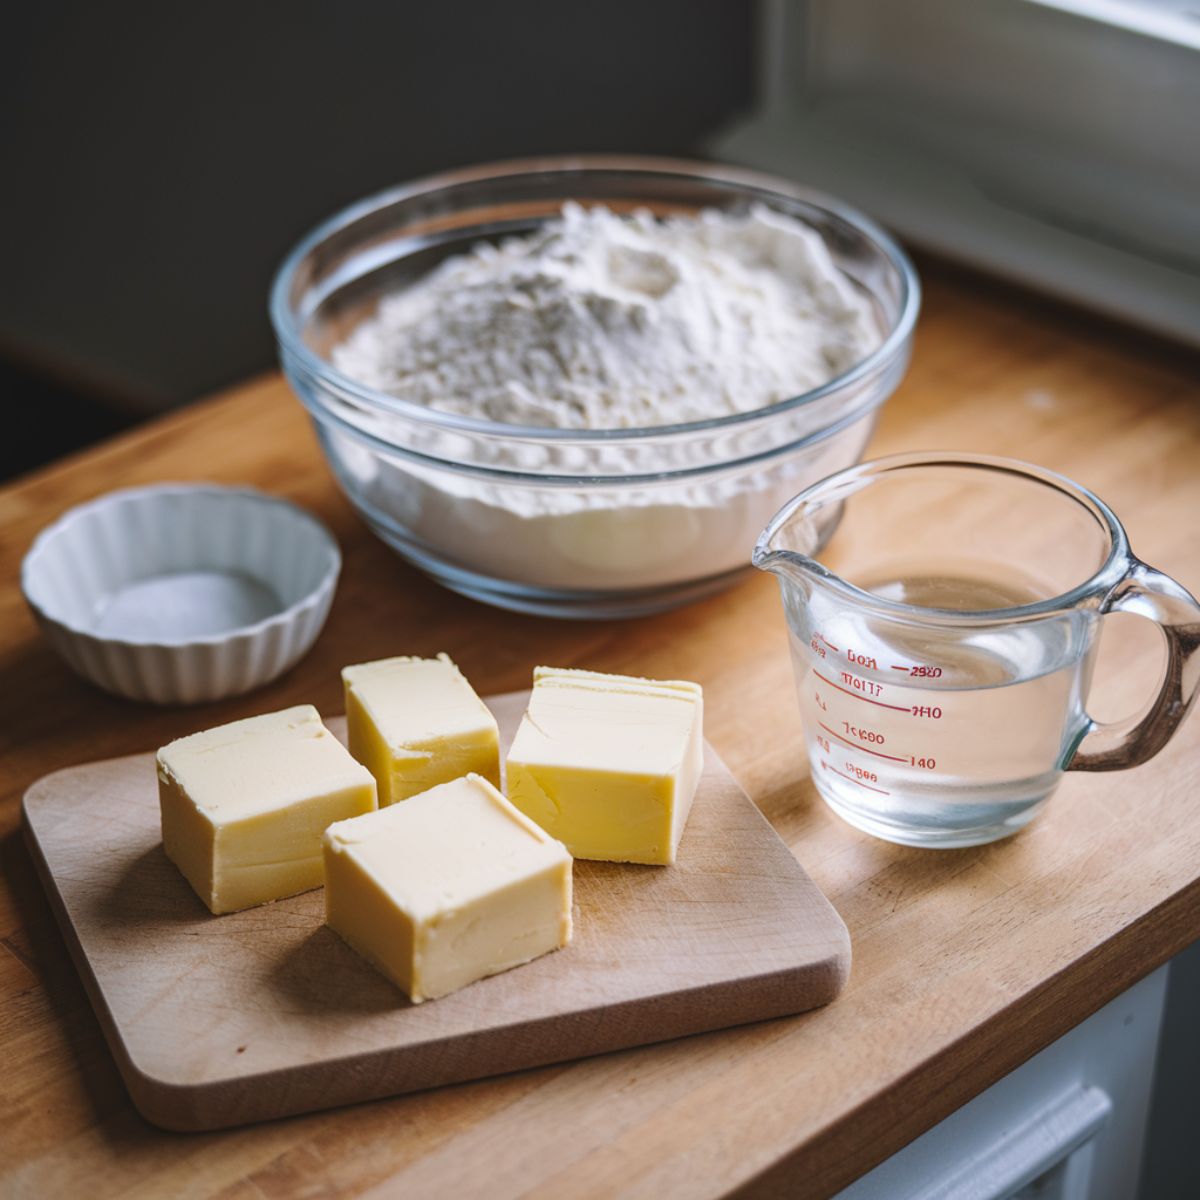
966	962
282	1017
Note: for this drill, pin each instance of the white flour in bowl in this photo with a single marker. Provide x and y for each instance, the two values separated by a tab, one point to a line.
598	321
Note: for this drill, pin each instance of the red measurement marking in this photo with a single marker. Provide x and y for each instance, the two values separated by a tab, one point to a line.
859	746
860	696
851	779
896	668
827	641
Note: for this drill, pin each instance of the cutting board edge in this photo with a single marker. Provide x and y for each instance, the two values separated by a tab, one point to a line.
237	1101
91	985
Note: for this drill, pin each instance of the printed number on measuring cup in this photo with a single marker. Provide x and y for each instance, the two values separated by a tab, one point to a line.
864	735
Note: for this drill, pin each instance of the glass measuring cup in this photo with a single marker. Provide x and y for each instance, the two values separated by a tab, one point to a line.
943	668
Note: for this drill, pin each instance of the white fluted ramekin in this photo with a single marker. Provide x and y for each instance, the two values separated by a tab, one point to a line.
178	593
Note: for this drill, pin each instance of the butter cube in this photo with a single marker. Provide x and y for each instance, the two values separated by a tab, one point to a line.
447	888
415	723
244	805
609	764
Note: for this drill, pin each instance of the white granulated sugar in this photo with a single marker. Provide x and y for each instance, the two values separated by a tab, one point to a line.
600	321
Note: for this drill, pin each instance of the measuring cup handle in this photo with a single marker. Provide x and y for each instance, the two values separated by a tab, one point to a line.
1151	594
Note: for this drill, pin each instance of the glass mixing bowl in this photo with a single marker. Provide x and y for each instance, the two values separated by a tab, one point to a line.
567	522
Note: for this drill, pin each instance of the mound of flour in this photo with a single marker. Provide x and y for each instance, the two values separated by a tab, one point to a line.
600	321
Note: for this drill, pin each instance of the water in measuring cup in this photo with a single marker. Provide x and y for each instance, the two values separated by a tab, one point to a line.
935	741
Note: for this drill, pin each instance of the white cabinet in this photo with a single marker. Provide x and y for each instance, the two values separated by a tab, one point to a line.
1068	1125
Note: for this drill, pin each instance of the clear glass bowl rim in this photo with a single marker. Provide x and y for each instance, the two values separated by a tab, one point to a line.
288	333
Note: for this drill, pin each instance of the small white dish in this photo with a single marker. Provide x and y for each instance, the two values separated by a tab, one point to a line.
182	593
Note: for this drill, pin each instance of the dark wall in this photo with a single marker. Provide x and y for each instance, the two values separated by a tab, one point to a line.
162	157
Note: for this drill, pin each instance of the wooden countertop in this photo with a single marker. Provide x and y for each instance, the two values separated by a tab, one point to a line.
965	962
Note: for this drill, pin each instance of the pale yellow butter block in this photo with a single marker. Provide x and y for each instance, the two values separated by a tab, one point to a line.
417	722
449	887
244	805
609	764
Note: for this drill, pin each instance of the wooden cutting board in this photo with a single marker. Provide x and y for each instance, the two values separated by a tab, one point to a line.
218	1021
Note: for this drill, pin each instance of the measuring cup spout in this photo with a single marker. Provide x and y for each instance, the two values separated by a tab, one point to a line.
780	561
793	536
